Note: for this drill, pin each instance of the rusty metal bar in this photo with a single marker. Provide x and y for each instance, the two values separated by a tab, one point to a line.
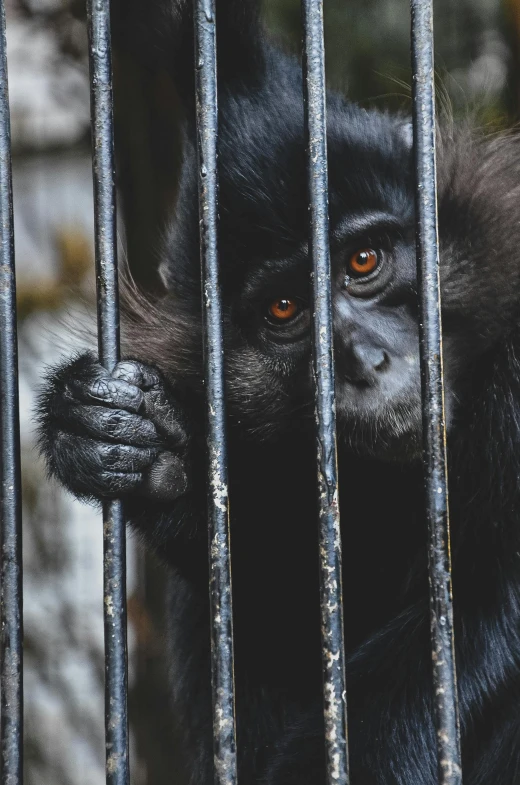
114	542
333	648
11	598
434	430
224	735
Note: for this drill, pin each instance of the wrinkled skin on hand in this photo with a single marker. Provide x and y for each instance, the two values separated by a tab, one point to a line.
115	433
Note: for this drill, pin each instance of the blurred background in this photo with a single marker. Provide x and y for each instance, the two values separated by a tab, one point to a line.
478	54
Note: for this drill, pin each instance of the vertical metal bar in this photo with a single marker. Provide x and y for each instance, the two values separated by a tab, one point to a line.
434	431
333	648
11	643
224	739
114	564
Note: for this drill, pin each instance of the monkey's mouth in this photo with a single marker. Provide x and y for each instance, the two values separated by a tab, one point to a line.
376	425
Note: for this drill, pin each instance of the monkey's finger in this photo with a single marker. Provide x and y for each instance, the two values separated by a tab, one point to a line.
98	470
112	425
137	373
166	415
156	403
104	456
123	457
107	391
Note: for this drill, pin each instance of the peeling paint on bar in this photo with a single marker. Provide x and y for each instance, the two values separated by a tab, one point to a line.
11	598
114	541
333	650
224	737
435	465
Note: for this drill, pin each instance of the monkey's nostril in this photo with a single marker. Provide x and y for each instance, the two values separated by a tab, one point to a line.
382	363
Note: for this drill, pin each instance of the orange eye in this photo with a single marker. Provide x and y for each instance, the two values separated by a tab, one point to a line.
282	310
363	262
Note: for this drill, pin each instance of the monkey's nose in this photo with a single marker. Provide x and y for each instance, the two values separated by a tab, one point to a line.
371	357
362	363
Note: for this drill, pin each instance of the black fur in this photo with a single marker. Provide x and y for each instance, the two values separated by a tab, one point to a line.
138	432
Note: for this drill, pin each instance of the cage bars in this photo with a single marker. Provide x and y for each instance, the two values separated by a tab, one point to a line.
222	675
445	694
434	430
114	540
331	599
11	639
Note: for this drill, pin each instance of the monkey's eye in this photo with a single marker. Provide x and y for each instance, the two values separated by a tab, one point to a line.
282	310
363	262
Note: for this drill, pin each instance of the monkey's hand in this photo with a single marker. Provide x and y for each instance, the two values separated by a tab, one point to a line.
106	435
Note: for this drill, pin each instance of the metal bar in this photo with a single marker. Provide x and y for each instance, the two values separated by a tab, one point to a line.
333	648
224	735
11	648
114	551
434	430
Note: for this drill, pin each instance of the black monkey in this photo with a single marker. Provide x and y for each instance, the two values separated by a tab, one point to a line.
137	433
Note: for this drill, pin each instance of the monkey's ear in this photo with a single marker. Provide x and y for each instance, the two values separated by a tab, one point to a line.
164	271
181	279
178	254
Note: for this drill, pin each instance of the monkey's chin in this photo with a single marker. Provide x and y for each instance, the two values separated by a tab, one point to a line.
379	439
391	451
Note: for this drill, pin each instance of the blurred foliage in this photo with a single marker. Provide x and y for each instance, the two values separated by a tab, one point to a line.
367	40
66	20
368	48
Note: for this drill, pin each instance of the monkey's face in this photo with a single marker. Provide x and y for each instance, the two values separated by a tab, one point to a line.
264	248
376	343
376	335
